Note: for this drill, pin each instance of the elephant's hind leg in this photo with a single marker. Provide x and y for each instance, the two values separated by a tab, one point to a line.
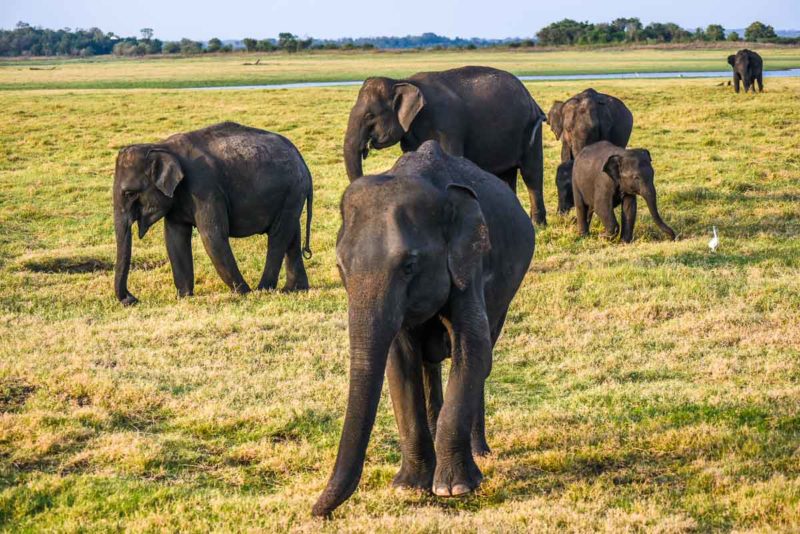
532	170
296	277
278	239
405	376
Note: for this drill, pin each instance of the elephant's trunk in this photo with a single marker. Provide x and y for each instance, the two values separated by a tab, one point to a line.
355	146
371	333
122	228
649	195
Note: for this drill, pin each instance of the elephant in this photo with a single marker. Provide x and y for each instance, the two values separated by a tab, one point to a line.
605	176
431	253
564	187
748	67
484	114
587	118
227	180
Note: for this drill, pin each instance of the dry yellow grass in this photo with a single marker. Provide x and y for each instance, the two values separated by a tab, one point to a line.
645	387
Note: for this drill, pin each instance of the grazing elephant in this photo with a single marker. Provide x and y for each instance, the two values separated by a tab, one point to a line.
748	67
227	180
483	114
564	187
431	254
605	176
587	118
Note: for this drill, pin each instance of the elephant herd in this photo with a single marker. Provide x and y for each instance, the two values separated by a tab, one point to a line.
431	252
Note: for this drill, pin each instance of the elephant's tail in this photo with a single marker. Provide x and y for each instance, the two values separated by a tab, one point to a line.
309	209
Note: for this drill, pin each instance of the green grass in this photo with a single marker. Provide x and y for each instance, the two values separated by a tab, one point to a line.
653	386
230	70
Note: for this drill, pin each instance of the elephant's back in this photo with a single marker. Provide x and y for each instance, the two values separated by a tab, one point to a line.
590	161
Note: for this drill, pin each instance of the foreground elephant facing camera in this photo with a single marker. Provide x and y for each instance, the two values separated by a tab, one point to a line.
431	254
483	114
587	118
605	176
228	181
748	69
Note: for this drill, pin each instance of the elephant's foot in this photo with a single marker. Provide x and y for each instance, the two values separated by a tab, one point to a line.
539	220
241	289
296	285
456	478
128	300
480	447
185	293
267	286
420	478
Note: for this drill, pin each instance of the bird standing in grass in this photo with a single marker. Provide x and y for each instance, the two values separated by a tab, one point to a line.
714	243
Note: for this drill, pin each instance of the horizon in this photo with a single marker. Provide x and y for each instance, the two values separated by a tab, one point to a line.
455	19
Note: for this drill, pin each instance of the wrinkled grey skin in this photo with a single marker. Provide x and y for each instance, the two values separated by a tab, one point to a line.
605	176
748	68
566	200
227	180
431	254
587	118
483	114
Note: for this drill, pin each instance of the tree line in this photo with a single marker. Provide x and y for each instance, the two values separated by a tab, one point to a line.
631	30
27	40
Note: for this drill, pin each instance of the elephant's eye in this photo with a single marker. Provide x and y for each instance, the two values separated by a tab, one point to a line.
129	194
410	266
368	116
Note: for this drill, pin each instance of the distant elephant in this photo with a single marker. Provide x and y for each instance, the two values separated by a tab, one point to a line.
587	118
564	187
483	114
605	176
227	180
748	67
431	254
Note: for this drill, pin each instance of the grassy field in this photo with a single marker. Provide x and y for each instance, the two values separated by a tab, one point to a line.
653	386
227	70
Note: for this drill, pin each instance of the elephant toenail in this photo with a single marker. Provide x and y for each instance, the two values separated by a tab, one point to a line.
460	489
441	491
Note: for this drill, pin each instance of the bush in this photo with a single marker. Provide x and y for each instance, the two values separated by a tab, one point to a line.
214	45
171	47
733	36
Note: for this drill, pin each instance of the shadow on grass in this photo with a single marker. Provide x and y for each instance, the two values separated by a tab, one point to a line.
82	265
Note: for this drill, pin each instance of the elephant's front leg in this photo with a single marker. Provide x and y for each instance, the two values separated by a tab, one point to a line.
215	241
604	206
628	217
178	237
404	372
456	470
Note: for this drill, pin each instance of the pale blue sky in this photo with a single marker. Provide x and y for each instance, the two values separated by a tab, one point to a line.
203	19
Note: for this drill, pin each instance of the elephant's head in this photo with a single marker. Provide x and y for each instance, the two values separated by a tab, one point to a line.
732	60
556	119
566	201
382	114
144	184
633	173
402	246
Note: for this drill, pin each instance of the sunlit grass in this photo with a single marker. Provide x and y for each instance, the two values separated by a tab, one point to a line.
238	69
648	386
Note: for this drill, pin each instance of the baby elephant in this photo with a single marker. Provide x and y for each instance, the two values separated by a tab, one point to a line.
605	176
227	180
566	201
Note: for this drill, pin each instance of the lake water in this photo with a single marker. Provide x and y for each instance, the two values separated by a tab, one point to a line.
788	73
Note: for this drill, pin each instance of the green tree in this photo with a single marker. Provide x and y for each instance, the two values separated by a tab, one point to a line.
287	41
265	45
250	44
147	33
171	47
214	45
733	36
759	31
715	32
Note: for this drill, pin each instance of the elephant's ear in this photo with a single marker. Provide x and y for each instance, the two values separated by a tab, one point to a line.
732	60
165	171
408	101
467	234
611	167
555	119
647	153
